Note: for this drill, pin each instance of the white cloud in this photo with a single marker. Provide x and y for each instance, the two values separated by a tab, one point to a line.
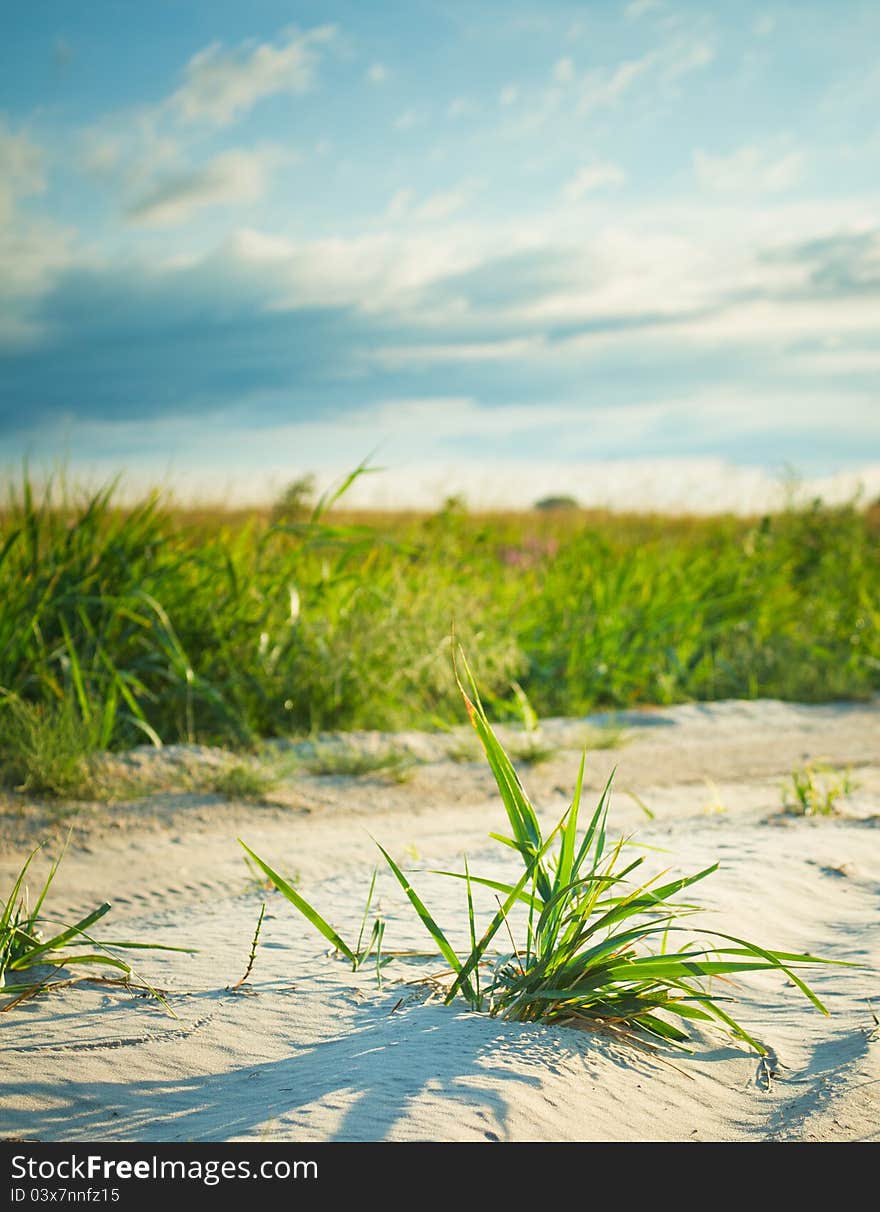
399	204
764	25
444	205
508	94
684	56
460	107
638	8
433	208
102	154
604	87
543	108
748	170
833	361
129	151
21	169
697	272
563	70
408	119
231	178
31	250
221	85
376	272
594	176
396	356
32	253
377	73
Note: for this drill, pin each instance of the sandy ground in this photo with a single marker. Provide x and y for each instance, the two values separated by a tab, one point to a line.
308	1051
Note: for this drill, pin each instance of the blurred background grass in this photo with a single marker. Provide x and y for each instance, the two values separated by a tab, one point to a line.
119	625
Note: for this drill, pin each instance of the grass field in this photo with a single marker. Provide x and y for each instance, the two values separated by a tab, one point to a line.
123	625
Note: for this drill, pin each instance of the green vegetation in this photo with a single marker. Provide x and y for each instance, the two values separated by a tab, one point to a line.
597	947
241	780
814	789
149	623
24	946
252	955
47	747
344	758
361	951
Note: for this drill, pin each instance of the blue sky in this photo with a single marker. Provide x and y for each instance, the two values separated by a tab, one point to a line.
241	241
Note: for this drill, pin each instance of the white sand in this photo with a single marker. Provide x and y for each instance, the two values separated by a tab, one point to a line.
312	1052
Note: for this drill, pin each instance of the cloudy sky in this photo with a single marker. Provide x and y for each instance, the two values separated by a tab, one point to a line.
241	241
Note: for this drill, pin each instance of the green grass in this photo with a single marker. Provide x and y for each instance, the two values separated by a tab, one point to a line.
814	789
31	940
252	954
119	626
47	748
367	945
349	759
240	780
604	736
599	944
533	747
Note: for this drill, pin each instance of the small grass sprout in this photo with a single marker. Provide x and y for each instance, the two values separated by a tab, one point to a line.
30	941
814	789
640	803
360	952
714	804
252	956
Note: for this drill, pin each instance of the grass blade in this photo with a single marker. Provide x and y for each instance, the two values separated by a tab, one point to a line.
302	905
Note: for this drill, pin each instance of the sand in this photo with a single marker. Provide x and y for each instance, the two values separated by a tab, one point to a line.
308	1051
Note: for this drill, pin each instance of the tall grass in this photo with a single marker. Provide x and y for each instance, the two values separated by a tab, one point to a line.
120	626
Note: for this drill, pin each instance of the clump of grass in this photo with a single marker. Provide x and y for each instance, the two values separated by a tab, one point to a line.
29	940
597	946
464	749
529	747
814	789
532	749
602	736
351	760
47	748
240	780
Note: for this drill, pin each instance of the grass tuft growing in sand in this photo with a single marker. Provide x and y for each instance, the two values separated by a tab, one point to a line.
35	947
591	941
